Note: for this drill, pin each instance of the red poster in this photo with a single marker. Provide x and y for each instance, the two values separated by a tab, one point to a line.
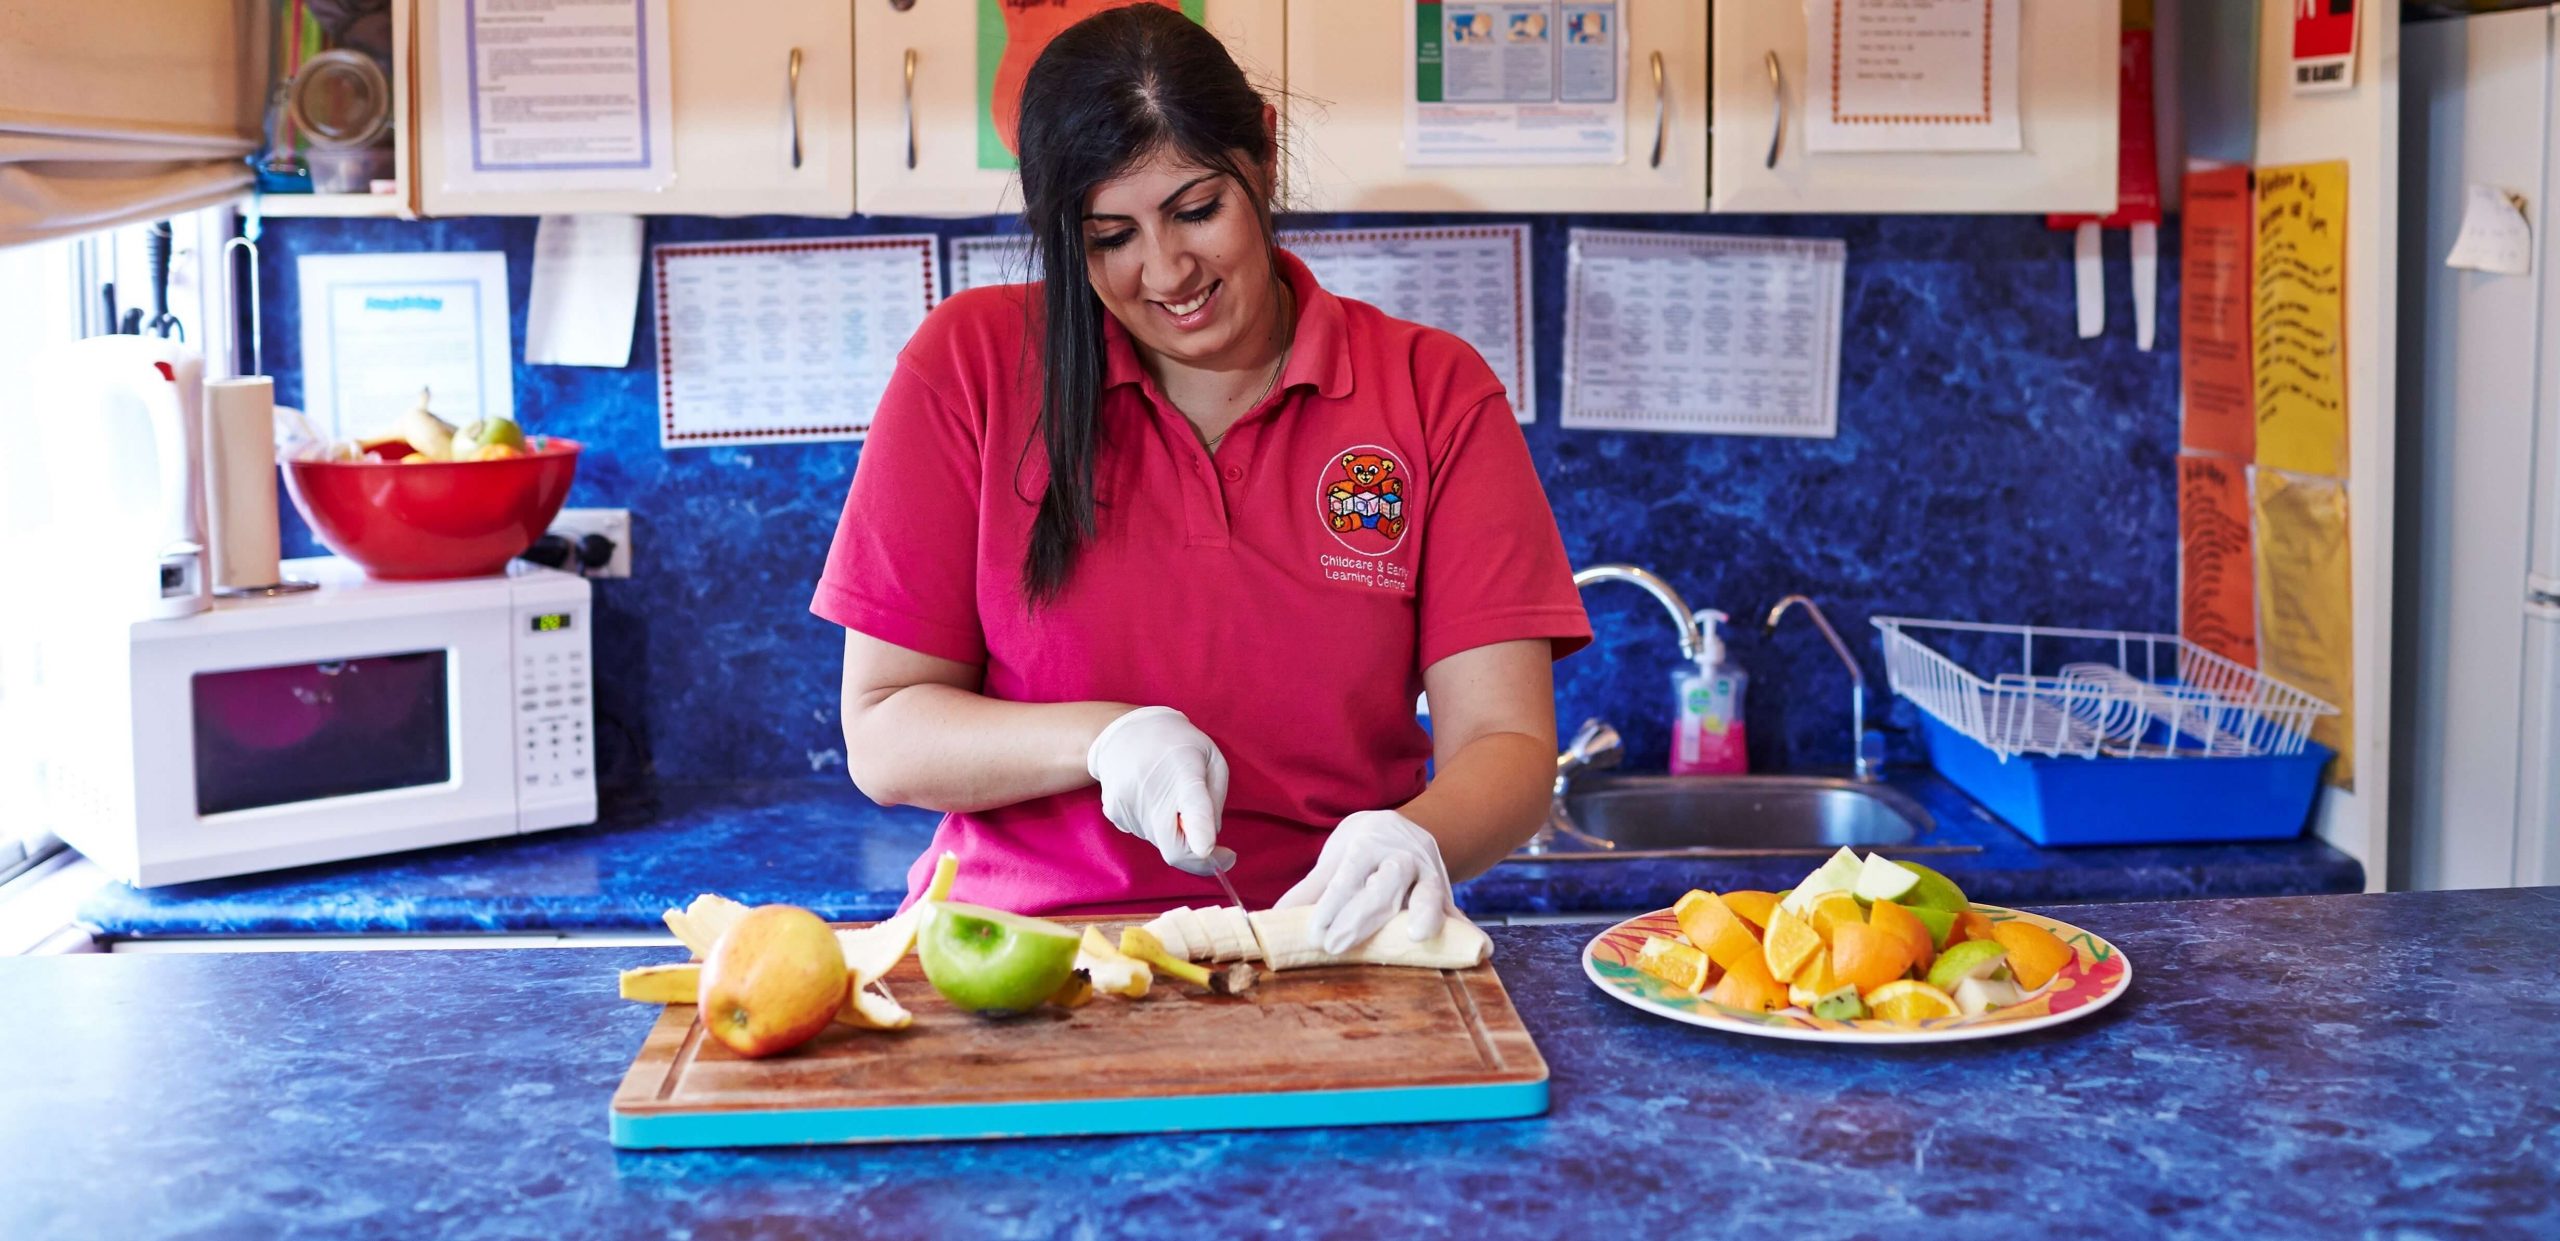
2324	45
2214	301
2217	580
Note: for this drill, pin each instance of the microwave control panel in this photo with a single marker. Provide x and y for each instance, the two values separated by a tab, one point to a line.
555	749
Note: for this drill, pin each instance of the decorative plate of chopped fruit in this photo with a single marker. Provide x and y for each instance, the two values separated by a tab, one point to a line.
1868	950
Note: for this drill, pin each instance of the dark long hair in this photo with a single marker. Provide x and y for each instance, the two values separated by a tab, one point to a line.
1106	94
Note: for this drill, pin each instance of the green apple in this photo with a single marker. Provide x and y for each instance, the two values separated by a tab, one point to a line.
1974	958
1934	891
1941	924
1839	873
992	962
486	433
1881	880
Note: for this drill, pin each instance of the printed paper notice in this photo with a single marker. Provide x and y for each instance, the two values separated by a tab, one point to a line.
586	291
378	328
556	94
2300	364
1000	258
772	341
2306	630
1911	75
1515	82
2495	236
2213	314
1717	335
2217	597
1469	281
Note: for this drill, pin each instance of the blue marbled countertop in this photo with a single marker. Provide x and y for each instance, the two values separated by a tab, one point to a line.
2317	1066
821	845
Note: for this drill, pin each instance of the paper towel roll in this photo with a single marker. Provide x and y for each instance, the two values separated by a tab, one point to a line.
240	482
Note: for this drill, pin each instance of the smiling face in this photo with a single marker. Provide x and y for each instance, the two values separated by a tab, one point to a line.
1178	255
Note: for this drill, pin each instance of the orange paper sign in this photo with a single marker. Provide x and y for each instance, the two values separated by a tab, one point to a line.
2217	600
2213	314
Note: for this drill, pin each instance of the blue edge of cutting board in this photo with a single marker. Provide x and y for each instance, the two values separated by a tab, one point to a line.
1073	1117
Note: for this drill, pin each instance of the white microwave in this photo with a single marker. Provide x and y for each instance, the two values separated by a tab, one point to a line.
363	717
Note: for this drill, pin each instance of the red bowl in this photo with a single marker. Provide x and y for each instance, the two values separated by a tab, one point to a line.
433	519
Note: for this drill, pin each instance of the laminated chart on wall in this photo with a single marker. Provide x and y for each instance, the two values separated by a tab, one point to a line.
2306	617
2217	603
1471	281
998	258
775	341
2300	325
2214	307
1700	334
1508	82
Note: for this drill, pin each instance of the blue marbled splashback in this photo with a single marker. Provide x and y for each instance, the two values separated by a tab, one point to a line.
1990	465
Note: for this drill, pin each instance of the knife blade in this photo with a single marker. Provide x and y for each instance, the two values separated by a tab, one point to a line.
1228	886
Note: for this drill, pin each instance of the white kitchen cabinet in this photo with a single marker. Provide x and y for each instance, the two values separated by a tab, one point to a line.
1346	87
736	106
2067	53
916	101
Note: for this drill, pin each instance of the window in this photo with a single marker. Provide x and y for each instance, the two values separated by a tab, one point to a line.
51	293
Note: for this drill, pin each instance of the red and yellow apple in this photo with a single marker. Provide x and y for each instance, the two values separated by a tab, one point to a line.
772	981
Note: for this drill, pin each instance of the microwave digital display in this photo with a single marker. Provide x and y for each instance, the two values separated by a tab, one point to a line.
304	732
550	622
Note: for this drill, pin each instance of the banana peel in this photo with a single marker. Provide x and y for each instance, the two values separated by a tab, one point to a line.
1111	970
1137	941
873	951
700	924
663	984
870	1007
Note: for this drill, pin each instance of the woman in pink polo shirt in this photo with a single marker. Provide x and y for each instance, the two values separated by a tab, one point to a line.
1144	563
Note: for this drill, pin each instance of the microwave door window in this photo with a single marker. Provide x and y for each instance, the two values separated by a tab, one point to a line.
305	732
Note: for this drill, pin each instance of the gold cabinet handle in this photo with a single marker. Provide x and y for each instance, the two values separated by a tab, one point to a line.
1661	111
908	106
1777	110
795	107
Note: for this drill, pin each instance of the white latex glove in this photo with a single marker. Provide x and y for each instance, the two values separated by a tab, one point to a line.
1375	863
1163	781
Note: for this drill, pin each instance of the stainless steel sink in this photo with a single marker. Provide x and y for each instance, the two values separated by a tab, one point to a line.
1731	816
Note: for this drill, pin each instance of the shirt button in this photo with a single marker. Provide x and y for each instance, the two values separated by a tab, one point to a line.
1235	473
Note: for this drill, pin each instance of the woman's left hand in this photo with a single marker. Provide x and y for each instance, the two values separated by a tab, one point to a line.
1375	863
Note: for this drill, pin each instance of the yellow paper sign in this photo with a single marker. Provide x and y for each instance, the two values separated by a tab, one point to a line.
2299	327
2306	617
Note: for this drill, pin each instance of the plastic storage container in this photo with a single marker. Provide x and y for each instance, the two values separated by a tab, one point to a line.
2098	737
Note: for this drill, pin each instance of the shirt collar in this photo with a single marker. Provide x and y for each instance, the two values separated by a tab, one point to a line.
1319	353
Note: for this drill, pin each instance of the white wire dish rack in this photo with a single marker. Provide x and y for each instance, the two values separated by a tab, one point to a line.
2088	693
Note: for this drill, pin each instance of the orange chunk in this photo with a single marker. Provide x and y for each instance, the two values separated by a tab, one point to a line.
1866	958
1715	929
1752	906
1910	1003
2035	955
1749	986
1832	909
1971	924
1790	943
1673	962
1906	926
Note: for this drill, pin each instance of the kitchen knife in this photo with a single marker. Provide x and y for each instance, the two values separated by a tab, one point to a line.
1228	886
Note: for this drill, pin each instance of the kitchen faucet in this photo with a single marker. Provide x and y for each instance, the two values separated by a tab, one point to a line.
1869	747
1596	744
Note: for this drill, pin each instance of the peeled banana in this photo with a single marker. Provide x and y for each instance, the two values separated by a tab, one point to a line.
1225	933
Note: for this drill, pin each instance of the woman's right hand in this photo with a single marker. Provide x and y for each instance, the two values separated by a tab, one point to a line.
1164	782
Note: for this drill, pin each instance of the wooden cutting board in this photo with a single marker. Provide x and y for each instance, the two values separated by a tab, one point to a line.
1335	1045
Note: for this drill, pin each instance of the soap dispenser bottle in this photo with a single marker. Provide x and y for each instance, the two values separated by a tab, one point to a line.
1706	722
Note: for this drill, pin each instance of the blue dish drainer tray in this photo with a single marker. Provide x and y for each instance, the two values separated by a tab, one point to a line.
2105	737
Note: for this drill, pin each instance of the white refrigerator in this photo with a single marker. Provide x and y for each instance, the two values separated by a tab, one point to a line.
2476	752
